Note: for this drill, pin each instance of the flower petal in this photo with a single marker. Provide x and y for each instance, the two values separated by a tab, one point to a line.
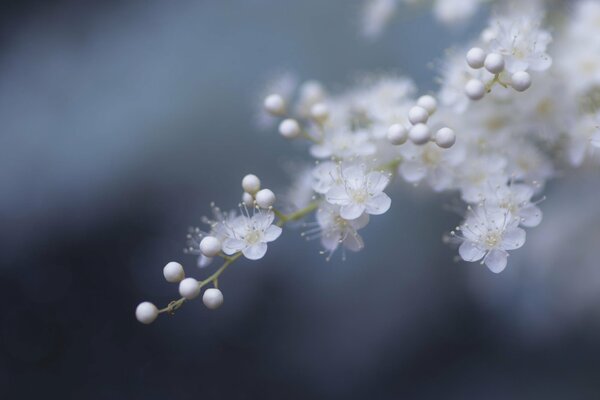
378	204
272	233
256	251
413	171
351	211
513	239
531	216
232	245
469	251
496	260
376	182
338	195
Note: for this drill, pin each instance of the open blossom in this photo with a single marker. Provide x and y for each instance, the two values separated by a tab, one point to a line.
522	43
336	231
250	235
487	234
359	192
516	199
326	175
344	144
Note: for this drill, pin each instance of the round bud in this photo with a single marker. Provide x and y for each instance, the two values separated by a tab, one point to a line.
275	104
418	115
397	134
173	272
210	246
146	312
311	91
289	128
475	89
189	288
476	57
265	198
248	200
204	261
419	134
251	183
494	63
319	112
212	298
520	81
428	102
445	138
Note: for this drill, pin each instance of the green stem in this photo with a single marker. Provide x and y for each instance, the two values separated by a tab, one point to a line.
283	219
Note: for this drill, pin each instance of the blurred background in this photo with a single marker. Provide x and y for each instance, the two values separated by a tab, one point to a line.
120	121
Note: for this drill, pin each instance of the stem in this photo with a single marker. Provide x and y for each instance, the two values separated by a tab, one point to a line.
283	219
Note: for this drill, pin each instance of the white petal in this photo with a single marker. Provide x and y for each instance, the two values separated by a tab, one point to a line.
204	261
376	182
354	177
330	240
351	211
338	195
413	171
360	222
320	151
496	260
272	233
256	251
353	242
513	239
262	220
378	204
232	245
469	251
531	216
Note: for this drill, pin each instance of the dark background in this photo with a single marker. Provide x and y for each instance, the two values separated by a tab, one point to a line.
120	122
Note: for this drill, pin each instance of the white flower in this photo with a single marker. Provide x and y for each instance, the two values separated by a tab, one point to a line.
335	230
250	235
522	43
432	163
360	192
487	234
455	11
326	175
344	144
516	199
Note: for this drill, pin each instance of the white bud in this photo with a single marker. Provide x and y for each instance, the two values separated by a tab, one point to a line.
428	102
475	89
397	134
189	288
251	184
210	246
319	112
204	261
419	134
173	272
445	138
212	298
520	81
476	58
275	105
146	312
494	63
248	200
265	198
289	128
418	115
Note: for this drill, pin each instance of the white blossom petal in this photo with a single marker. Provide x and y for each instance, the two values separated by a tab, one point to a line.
469	251
256	251
496	260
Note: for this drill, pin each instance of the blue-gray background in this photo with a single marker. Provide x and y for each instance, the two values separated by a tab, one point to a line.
121	121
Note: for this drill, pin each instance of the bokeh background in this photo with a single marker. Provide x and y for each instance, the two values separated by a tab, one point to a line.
120	121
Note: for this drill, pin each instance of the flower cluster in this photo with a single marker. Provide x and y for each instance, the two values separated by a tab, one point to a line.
543	114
